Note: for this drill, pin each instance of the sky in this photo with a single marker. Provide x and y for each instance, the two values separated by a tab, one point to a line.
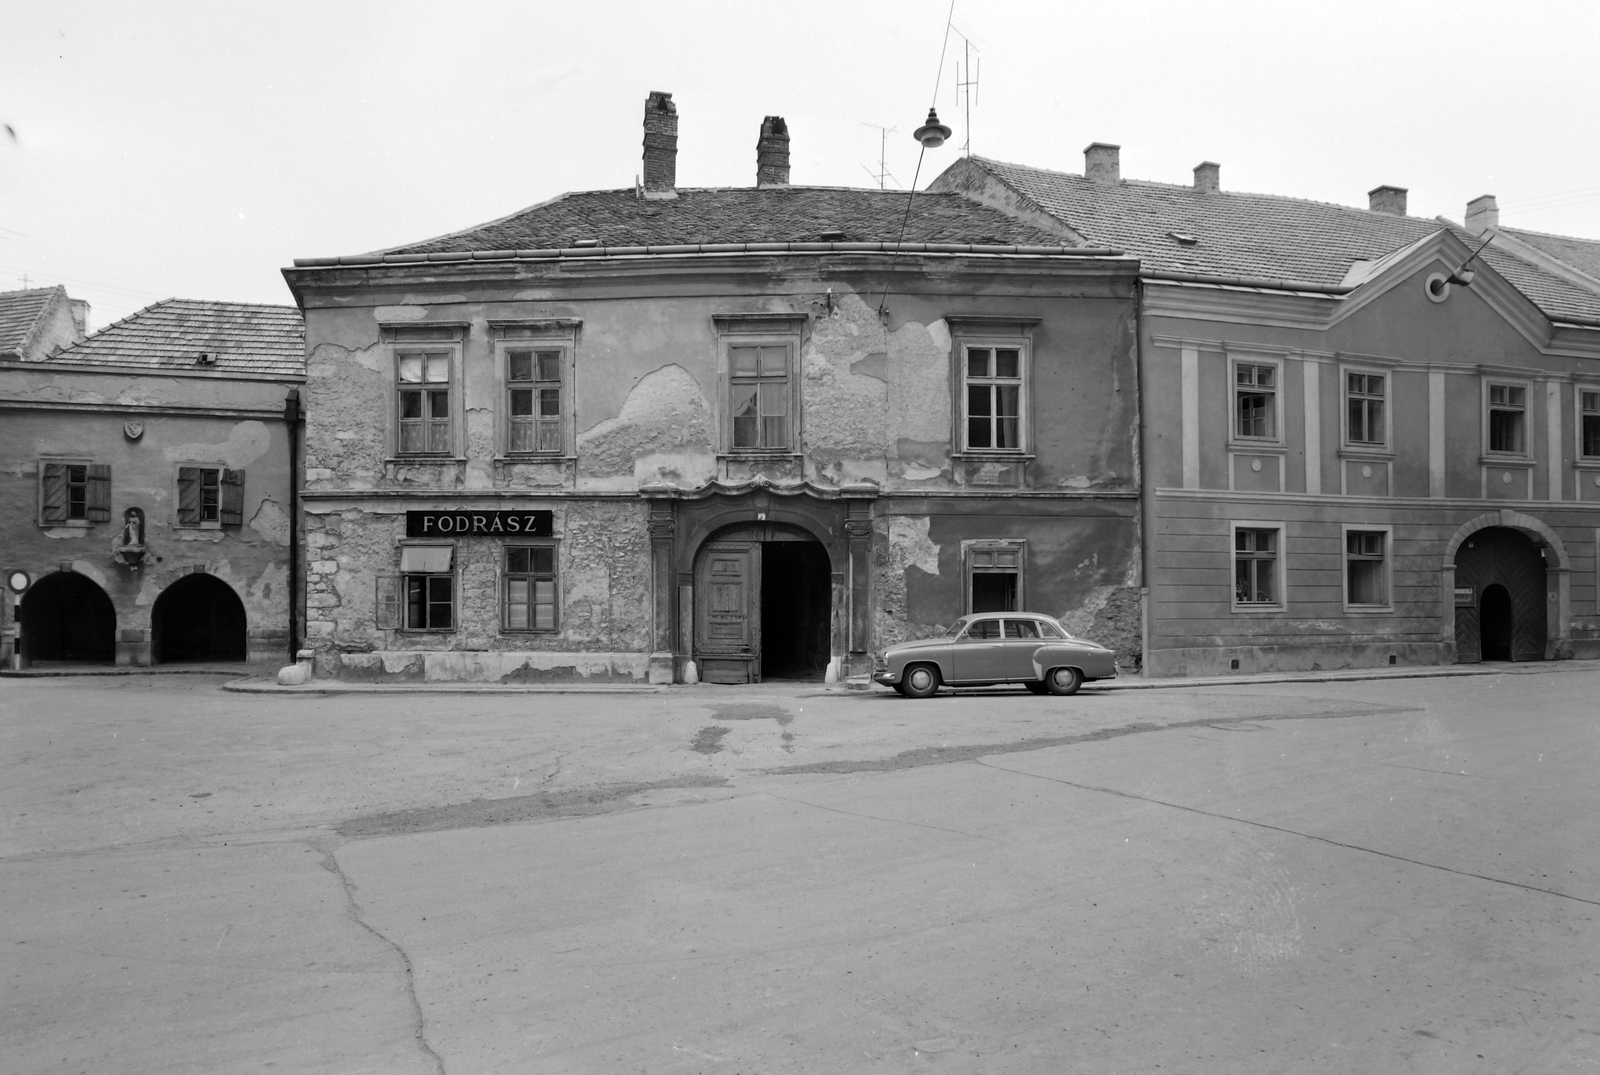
167	149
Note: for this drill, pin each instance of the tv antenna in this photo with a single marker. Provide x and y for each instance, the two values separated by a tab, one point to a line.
968	67
883	154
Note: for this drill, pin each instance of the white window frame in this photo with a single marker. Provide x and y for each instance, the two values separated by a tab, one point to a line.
426	338
1023	381
759	330
1387	400
1489	384
536	334
1280	576
506	576
1235	437
991	331
1580	390
1387	606
971	551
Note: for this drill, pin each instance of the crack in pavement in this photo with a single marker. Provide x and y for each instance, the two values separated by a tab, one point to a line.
1290	832
330	862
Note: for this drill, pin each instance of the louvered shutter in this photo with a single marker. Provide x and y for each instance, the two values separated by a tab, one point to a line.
188	496
53	501
387	606
233	498
99	493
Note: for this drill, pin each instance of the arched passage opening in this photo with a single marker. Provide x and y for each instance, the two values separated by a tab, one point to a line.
763	604
67	617
197	618
1504	571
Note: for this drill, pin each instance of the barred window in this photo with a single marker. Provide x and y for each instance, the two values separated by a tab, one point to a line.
1364	398
1255	567
1366	574
1255	400
530	588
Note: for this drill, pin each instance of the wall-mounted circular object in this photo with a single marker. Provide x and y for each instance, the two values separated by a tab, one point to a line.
1437	287
18	581
1506	477
1255	465
1366	471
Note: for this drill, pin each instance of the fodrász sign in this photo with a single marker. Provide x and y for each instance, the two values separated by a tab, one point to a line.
479	523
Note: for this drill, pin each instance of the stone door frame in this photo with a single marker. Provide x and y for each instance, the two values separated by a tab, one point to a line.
1558	580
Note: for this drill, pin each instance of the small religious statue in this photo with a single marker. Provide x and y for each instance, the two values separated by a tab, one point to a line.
131	549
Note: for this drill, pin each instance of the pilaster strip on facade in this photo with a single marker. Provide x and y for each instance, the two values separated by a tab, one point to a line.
1311	375
1553	437
1191	417
1436	486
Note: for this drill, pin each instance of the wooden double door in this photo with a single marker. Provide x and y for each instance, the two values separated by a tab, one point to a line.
763	607
1507	618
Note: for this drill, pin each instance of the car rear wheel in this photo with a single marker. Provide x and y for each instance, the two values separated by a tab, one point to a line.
1063	681
1037	686
920	681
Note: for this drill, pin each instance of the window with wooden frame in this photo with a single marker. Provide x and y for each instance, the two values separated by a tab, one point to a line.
994	575
1589	423
1507	418
1366	568
423	380
210	496
73	493
1365	395
1258	567
1255	400
758	357
992	397
535	359
422	596
528	589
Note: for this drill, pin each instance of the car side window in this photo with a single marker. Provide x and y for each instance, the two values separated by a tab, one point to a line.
1048	630
1021	629
983	629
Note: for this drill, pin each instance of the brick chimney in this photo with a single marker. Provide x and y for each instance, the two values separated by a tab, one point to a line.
660	145
1102	163
1482	214
772	153
1391	200
1208	177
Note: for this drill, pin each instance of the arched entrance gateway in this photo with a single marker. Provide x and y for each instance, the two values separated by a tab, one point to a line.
67	617
763	605
197	618
1508	571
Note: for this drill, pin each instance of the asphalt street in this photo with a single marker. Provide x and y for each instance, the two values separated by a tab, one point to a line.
1382	876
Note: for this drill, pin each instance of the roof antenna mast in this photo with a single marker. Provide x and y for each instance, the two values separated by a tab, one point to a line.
966	87
883	154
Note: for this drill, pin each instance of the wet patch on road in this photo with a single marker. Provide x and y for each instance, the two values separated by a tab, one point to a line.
749	711
708	740
481	813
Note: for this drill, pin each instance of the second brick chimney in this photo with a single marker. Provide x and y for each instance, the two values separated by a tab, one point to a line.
1208	177
1483	213
772	153
1391	200
1102	163
660	144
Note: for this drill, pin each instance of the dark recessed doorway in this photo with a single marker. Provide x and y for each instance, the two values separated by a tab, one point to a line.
198	618
763	605
67	617
1495	623
796	607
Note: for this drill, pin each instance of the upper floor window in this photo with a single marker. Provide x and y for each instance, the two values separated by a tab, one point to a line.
1364	400
74	493
1507	418
535	361
1589	422
994	392
1255	395
758	388
210	496
424	382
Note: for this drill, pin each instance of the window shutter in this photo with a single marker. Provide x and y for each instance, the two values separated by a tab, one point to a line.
387	606
188	496
54	500
99	493
232	498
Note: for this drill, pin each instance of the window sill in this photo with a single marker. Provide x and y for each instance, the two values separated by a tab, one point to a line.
424	630
1369	610
200	526
1269	609
993	455
535	457
524	632
1508	460
1261	447
783	454
423	460
1588	462
1353	451
82	524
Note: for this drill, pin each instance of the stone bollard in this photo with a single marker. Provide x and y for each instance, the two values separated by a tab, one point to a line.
297	674
691	674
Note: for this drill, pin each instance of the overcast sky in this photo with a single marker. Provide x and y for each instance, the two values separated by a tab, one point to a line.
176	149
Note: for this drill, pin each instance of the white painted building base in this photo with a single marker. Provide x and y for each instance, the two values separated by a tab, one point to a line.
498	666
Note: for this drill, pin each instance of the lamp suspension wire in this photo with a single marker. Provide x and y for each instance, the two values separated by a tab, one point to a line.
883	299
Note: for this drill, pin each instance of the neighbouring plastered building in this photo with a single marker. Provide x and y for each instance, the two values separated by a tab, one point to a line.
1366	441
147	496
624	430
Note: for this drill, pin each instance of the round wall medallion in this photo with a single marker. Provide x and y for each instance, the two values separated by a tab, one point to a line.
1506	477
1437	287
1366	472
1597	481
1255	465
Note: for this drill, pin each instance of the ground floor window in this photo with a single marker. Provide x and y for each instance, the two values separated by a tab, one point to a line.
422	596
1366	566
529	602
994	576
1257	581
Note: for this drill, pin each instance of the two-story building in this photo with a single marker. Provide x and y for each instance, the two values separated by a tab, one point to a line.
147	502
760	430
1367	441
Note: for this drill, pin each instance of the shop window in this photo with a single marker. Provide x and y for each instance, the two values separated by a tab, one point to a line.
1366	568
1507	418
529	594
424	405
74	493
994	573
1257	567
422	596
1589	423
1255	400
1364	410
210	497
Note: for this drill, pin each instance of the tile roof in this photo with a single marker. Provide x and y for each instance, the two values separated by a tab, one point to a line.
244	337
738	215
21	312
1581	254
1258	236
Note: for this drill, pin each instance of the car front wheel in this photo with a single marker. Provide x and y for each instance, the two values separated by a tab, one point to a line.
1063	681
920	681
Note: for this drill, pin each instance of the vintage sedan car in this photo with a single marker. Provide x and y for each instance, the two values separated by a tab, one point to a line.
996	647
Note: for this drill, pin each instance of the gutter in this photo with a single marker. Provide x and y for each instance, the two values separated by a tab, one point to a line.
1245	281
291	421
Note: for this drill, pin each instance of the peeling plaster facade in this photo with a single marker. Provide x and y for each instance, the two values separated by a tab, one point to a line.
872	469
